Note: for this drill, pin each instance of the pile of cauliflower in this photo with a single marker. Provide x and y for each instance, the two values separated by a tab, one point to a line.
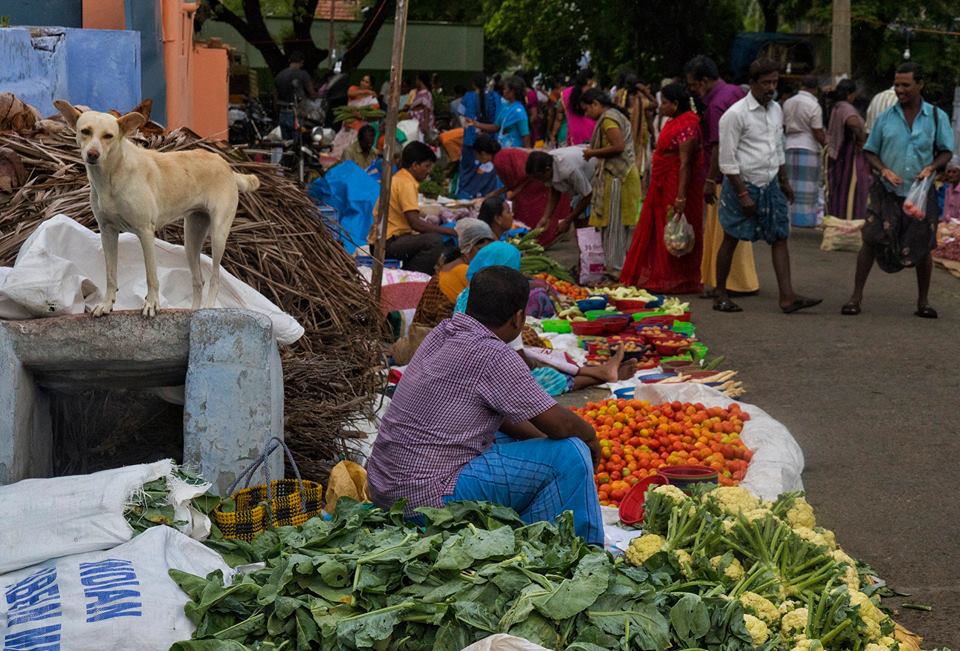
797	589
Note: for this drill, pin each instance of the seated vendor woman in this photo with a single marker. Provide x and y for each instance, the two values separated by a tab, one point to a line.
411	239
469	422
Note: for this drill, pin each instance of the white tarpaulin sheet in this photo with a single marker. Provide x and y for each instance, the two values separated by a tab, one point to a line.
60	270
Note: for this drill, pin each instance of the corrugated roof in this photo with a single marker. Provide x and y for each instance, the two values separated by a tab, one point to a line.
342	9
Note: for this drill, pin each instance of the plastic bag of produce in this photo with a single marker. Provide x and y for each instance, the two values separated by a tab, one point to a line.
48	518
915	205
841	234
121	598
504	642
592	264
678	236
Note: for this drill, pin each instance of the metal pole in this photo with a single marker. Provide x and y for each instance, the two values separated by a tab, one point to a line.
389	142
333	12
840	40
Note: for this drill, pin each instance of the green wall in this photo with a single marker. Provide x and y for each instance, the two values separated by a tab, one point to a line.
437	47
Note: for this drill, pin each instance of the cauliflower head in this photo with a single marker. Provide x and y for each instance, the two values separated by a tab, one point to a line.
802	643
761	607
757	629
814	537
671	491
794	623
874	646
734	499
801	514
850	575
869	613
686	562
733	571
644	547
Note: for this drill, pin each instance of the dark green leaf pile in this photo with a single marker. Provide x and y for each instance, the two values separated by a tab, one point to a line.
368	580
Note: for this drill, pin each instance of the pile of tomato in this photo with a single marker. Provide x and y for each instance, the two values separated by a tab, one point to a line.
575	292
637	438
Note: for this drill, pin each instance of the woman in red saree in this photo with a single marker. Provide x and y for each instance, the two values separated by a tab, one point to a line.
676	181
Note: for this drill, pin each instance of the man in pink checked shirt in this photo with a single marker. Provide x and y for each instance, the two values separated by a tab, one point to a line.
469	422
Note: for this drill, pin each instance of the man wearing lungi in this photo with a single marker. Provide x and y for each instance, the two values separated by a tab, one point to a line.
469	422
910	141
803	124
753	201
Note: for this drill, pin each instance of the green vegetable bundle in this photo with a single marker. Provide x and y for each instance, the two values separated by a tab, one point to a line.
365	113
150	506
799	591
534	260
368	580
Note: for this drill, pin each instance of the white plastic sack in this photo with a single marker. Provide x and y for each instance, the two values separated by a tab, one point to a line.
504	642
83	513
592	260
122	598
60	270
777	461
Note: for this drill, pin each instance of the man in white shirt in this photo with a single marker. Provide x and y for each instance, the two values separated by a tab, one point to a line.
803	123
753	202
563	170
880	103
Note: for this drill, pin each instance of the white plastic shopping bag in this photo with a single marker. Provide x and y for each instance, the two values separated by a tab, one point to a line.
592	264
915	205
122	598
82	513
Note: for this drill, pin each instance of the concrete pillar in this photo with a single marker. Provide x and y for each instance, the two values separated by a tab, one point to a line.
26	439
233	397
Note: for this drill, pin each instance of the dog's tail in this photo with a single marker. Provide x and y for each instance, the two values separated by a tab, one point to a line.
246	182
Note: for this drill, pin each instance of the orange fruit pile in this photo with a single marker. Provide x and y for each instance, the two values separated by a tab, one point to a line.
637	438
575	292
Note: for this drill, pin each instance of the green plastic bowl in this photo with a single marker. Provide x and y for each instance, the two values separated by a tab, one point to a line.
559	326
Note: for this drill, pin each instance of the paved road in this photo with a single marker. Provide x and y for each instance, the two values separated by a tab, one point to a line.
874	402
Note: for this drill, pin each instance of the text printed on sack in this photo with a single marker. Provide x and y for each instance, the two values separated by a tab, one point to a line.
110	590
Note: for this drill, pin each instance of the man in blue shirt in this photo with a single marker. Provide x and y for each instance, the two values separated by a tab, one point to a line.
910	141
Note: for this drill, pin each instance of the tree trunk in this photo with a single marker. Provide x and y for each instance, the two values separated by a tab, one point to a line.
771	15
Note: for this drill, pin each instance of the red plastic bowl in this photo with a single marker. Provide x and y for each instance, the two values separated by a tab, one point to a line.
588	328
613	325
630	305
668	350
631	506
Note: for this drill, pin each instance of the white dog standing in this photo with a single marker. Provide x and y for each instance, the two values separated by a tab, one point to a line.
137	190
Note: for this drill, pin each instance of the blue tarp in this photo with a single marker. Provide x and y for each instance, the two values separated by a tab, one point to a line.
353	193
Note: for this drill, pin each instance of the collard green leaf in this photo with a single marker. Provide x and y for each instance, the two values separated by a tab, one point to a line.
364	631
476	615
308	634
648	629
537	629
578	593
208	645
690	619
334	573
481	544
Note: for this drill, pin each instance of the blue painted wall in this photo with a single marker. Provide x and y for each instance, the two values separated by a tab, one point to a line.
96	68
144	17
59	13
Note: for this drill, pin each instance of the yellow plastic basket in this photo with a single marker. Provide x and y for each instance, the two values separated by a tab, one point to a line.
277	503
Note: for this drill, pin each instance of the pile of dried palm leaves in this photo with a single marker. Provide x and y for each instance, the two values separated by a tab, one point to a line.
278	245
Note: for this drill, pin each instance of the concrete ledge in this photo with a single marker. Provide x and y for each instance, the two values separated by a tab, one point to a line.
226	359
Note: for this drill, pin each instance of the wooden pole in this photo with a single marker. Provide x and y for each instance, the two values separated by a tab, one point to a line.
840	64
389	142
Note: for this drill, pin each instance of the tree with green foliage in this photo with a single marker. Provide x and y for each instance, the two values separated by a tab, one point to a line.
247	17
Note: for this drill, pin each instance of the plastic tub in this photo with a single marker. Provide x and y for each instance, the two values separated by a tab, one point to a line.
631	304
593	303
588	328
638	316
613	325
559	326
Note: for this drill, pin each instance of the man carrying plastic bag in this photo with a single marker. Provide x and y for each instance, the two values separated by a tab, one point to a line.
909	142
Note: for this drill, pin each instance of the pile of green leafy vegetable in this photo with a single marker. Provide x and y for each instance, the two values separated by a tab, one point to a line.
368	580
150	506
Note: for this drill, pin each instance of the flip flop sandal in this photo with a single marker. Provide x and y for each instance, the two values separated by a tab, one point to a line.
801	304
926	312
727	306
850	309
